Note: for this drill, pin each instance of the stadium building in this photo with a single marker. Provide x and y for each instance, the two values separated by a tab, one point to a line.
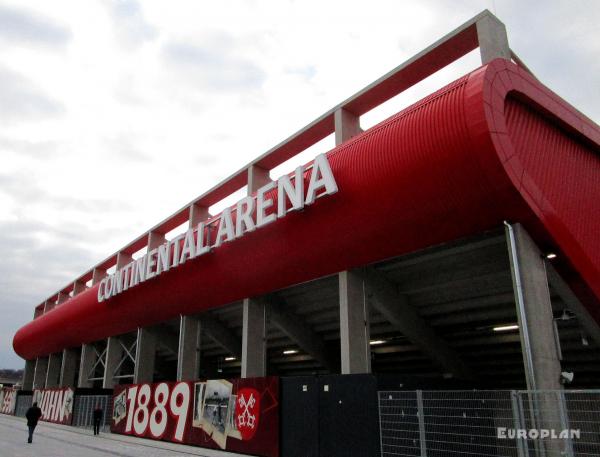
452	247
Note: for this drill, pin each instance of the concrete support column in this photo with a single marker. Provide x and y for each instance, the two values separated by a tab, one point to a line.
39	378
78	287
198	213
98	275
62	297
188	354
114	354
254	341
536	327
28	374
492	38
347	125
257	177
88	358
354	324
53	370
534	311
68	368
145	355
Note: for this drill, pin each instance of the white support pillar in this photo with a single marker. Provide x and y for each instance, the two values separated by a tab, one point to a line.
68	368
198	213
53	370
534	311
254	341
114	354
354	324
98	275
145	355
188	355
88	359
28	374
492	38
78	287
257	177
41	368
347	125
62	297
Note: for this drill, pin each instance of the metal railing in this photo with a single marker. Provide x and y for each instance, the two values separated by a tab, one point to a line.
84	407
490	423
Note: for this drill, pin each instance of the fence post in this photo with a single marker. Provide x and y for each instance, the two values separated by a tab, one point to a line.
564	421
519	421
421	416
380	423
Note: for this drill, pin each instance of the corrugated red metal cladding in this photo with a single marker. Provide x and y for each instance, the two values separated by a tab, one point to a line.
495	145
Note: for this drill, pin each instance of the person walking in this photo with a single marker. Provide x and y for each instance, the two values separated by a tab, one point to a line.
33	415
97	416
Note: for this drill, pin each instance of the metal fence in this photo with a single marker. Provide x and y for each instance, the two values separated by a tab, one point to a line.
490	423
84	407
23	404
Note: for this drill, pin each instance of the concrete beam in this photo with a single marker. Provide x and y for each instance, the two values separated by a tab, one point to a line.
62	297
145	355
28	375
492	38
53	370
584	318
68	368
299	332
188	357
257	177
354	324
347	125
39	378
395	307
88	358
534	311
114	354
221	335
254	341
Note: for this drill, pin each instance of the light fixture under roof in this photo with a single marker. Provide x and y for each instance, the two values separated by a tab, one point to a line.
229	359
505	328
290	351
551	255
376	342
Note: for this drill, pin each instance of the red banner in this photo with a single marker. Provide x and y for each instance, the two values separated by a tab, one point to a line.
8	400
240	415
56	404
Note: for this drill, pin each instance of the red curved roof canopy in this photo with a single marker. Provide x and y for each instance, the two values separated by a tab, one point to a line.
494	145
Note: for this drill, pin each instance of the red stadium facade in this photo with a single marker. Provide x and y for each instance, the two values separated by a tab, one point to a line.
425	234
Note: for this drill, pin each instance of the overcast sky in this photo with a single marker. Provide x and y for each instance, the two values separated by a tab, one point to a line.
116	114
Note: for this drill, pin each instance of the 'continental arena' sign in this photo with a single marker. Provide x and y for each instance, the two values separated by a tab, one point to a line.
250	213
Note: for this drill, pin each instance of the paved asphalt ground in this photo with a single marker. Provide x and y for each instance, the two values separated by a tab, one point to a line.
50	440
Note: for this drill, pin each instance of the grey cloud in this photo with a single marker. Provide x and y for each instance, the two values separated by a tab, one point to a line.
122	146
21	99
23	26
213	66
34	149
31	270
24	190
129	20
307	72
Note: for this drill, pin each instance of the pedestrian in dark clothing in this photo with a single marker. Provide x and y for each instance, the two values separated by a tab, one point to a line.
97	415
33	415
